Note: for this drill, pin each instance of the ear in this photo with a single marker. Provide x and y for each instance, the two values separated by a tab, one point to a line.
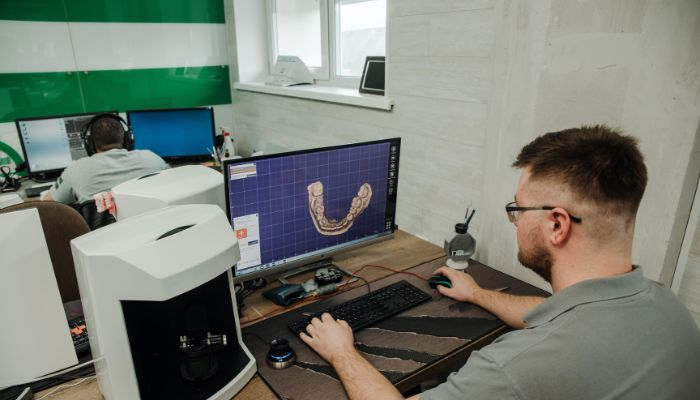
559	226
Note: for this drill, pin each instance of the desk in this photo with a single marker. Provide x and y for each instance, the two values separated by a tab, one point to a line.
403	252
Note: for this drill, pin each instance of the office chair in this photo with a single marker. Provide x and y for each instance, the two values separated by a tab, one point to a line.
61	224
94	219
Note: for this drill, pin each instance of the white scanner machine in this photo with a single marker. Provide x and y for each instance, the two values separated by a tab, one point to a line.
189	184
158	297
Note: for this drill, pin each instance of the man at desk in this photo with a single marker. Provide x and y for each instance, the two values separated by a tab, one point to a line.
112	163
606	332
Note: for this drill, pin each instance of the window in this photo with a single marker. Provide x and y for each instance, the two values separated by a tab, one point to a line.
332	37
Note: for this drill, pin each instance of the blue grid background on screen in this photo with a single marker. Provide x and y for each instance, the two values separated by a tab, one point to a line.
278	194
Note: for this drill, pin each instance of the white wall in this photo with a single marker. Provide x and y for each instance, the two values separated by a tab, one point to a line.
689	291
474	80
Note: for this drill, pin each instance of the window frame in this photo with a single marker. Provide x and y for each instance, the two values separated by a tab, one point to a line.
322	72
329	73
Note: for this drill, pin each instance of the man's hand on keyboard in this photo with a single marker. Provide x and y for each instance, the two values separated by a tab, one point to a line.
330	338
463	285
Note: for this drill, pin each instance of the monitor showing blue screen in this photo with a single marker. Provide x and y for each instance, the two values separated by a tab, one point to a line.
177	134
293	208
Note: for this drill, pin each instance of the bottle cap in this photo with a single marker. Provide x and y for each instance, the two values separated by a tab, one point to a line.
461	228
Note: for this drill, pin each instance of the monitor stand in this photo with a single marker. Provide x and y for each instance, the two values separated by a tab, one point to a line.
324	263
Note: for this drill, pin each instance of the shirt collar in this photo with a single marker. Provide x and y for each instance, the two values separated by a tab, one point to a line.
585	292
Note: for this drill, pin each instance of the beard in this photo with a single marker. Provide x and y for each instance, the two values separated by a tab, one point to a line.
537	259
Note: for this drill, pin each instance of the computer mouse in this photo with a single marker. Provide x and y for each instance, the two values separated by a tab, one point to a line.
439	280
280	355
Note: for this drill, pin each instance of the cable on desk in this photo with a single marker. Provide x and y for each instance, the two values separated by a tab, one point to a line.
80	382
396	271
82	370
305	300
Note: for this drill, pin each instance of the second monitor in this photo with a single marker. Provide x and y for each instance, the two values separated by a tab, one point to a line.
295	208
177	135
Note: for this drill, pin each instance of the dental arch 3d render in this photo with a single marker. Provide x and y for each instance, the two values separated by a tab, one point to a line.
328	226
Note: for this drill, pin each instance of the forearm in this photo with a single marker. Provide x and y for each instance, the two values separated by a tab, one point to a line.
361	380
509	308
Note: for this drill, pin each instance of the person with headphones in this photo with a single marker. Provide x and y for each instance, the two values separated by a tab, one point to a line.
108	142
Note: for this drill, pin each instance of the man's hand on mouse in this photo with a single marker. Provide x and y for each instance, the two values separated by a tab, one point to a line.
463	285
329	337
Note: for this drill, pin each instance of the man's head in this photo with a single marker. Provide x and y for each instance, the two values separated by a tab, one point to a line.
592	173
106	134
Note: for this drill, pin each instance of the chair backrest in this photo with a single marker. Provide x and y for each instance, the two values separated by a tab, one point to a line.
94	219
61	224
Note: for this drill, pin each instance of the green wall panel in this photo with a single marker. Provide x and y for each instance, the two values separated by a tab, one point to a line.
32	10
38	94
199	11
44	94
156	88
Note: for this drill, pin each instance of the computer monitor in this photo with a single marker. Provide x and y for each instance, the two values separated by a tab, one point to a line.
296	208
177	135
50	144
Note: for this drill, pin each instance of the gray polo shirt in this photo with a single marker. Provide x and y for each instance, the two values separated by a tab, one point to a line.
101	172
622	337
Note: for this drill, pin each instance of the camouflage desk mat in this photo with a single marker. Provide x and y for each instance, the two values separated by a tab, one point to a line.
398	346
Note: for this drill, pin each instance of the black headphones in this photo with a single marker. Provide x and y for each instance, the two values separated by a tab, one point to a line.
89	143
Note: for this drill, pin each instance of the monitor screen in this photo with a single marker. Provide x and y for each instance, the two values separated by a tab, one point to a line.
177	134
294	208
50	144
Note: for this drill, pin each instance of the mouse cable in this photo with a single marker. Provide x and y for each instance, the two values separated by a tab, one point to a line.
396	271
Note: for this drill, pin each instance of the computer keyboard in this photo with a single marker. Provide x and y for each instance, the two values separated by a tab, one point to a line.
373	307
36	190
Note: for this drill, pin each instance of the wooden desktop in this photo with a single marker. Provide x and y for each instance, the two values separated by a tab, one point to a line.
403	252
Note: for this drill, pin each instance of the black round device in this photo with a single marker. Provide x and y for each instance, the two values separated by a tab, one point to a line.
280	355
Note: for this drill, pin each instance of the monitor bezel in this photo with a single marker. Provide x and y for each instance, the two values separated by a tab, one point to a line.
276	270
179	159
45	174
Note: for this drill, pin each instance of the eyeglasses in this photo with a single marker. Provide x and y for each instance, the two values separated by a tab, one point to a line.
514	211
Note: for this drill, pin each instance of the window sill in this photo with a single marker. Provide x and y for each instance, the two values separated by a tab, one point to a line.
321	93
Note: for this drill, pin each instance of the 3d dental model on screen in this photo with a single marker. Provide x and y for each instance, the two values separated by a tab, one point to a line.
329	227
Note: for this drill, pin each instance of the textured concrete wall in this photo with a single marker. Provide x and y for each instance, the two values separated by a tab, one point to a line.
689	291
475	80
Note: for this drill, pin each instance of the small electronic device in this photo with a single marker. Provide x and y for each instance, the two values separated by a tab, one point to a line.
372	81
328	275
188	184
375	306
280	355
50	144
177	135
286	294
296	208
290	71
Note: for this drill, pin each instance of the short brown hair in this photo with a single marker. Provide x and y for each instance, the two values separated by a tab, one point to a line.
107	132
597	163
